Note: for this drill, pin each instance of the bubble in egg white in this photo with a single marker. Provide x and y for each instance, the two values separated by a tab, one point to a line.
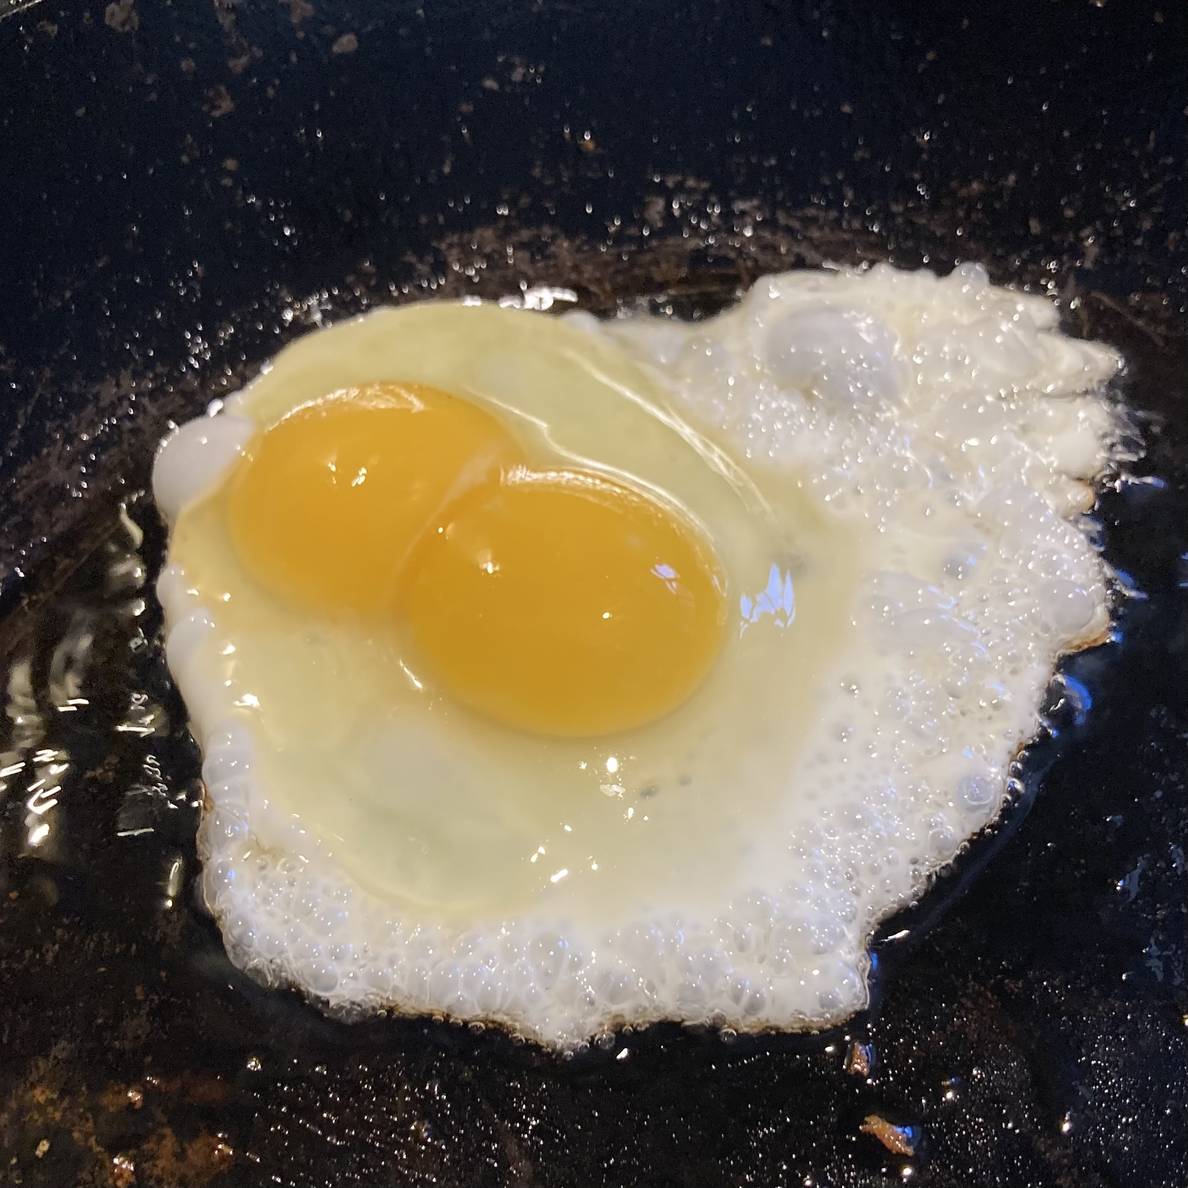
193	458
961	430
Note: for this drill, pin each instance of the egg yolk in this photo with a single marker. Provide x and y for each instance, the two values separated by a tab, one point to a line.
564	603
561	602
324	507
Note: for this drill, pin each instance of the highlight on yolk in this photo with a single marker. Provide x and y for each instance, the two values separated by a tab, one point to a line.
564	603
326	504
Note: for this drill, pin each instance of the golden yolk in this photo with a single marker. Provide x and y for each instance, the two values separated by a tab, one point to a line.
326	504
564	603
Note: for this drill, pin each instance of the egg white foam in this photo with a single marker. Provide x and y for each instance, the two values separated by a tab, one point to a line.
966	431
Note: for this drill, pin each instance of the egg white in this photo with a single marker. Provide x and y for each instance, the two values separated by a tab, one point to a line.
891	467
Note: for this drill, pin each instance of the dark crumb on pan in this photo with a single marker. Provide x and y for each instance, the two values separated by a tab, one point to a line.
899	1140
219	101
859	1059
121	15
299	10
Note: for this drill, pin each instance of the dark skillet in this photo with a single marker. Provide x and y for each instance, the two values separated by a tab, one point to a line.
188	185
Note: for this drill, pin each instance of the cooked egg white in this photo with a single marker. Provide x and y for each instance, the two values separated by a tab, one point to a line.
570	673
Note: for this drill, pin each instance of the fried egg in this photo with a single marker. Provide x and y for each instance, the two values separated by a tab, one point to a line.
568	673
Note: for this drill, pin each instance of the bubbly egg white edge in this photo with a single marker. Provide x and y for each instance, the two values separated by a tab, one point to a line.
568	998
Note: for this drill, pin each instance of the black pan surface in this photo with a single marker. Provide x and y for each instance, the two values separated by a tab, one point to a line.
188	185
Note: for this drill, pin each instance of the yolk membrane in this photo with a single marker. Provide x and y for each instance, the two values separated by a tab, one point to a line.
326	504
560	602
565	603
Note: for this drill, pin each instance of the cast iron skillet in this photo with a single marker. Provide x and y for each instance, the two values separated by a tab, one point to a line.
188	185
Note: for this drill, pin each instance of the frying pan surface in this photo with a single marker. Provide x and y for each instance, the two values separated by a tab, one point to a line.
189	185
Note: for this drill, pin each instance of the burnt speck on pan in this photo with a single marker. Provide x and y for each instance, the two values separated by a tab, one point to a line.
1029	1019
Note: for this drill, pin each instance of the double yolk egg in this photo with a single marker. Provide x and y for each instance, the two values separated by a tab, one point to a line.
467	610
551	599
571	673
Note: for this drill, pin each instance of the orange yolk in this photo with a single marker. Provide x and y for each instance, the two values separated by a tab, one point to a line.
325	506
565	603
560	602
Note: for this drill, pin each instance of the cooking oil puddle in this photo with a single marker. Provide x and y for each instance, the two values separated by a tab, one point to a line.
93	747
